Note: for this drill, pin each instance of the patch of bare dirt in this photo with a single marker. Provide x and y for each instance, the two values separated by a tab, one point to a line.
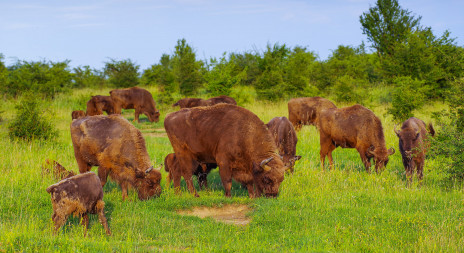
229	214
155	134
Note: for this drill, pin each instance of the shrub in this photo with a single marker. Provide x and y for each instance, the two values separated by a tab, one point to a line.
243	94
30	122
122	74
407	96
346	90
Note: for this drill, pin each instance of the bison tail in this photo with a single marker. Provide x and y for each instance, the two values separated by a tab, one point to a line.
431	130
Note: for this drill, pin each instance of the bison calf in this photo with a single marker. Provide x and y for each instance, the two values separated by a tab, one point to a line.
78	195
285	138
97	104
413	144
77	114
135	98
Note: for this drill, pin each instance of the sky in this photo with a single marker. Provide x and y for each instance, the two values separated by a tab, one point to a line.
92	32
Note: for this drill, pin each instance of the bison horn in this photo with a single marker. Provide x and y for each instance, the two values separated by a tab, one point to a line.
264	163
149	170
391	151
396	131
371	150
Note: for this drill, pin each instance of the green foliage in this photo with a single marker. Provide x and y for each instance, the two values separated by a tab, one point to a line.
187	70
224	75
30	121
85	77
347	89
3	73
386	24
243	94
407	96
122	74
45	78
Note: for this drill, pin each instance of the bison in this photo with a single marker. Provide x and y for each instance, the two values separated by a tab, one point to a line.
97	104
305	111
201	171
118	148
78	195
233	138
413	144
58	171
77	114
285	138
353	127
135	98
195	102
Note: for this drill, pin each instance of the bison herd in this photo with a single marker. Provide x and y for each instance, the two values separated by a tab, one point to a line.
211	133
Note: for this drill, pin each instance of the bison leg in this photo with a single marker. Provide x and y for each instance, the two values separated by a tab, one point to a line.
187	165
326	150
103	175
137	113
251	190
226	179
366	160
59	221
85	223
103	221
124	190
83	165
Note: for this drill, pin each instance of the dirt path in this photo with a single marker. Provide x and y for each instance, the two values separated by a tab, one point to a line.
230	214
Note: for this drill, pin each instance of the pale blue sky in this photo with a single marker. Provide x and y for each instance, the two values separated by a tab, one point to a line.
90	32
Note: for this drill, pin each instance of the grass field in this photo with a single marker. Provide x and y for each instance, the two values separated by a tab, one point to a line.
345	209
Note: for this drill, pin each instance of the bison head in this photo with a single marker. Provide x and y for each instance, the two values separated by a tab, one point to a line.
380	156
409	143
268	175
289	161
153	116
148	183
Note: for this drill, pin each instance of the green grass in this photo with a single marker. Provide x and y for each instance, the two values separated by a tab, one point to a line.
345	209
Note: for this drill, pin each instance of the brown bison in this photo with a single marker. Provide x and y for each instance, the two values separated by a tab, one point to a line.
97	104
413	143
195	102
233	138
77	114
201	171
353	127
58	171
78	195
285	138
135	98
305	111
118	148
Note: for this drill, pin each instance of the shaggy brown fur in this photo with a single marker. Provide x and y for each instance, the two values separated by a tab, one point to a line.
285	138
305	111
201	171
353	127
97	104
195	102
233	138
413	143
78	195
135	98
59	172
77	114
118	148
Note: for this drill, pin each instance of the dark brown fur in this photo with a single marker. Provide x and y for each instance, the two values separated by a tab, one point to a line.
59	172
78	195
413	144
195	102
353	127
201	171
135	98
118	148
285	138
305	111
233	138
77	114
97	104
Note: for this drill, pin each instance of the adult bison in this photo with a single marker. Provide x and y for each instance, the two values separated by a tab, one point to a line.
135	98
233	138
285	138
202	170
77	114
195	102
305	111
413	143
353	127
98	104
118	148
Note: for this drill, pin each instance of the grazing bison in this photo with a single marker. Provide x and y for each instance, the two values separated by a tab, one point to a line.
353	127
285	139
58	171
97	104
78	195
118	148
305	111
195	102
201	171
413	143
77	114
135	98
233	138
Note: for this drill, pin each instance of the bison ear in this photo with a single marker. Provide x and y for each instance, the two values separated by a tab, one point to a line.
298	157
391	151
264	163
139	174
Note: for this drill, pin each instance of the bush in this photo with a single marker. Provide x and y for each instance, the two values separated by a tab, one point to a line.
243	94
346	90
122	74
407	96
30	122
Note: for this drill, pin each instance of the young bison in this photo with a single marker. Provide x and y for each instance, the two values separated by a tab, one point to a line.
78	195
201	171
285	138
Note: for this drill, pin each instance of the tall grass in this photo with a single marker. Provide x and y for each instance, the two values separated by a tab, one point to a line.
345	209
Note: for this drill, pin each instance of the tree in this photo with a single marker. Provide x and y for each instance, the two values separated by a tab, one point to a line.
187	69
87	77
122	74
386	24
3	73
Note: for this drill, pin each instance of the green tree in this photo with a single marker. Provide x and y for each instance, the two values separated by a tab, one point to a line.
162	75
85	77
3	74
122	74
187	70
386	24
407	96
223	75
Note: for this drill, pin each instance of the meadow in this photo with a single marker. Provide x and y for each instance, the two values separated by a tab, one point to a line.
344	209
